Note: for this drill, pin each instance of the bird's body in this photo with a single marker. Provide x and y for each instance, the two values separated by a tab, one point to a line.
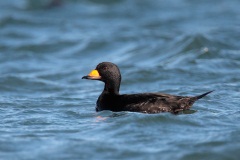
145	102
110	99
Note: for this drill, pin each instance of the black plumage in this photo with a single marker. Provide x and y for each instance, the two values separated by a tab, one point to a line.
110	99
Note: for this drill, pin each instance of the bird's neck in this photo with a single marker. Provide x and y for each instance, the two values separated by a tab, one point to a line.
112	88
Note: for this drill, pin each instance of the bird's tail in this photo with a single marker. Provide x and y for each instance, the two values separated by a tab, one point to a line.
202	95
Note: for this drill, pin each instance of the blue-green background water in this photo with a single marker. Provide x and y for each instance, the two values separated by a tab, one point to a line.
182	47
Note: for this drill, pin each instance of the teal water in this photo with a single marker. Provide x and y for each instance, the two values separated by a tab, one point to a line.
183	47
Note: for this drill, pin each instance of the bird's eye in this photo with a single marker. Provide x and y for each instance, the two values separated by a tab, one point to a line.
104	68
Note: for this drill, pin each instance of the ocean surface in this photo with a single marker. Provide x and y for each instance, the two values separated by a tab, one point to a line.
180	47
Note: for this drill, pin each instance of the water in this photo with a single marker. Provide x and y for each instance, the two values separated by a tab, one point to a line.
178	47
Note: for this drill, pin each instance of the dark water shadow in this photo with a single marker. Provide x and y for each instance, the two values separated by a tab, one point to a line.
190	111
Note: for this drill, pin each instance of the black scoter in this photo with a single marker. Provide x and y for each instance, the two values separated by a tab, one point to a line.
110	99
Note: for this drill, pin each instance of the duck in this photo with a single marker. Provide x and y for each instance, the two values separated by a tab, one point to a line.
111	99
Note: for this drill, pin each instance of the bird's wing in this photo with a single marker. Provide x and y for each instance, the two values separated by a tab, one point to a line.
151	102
